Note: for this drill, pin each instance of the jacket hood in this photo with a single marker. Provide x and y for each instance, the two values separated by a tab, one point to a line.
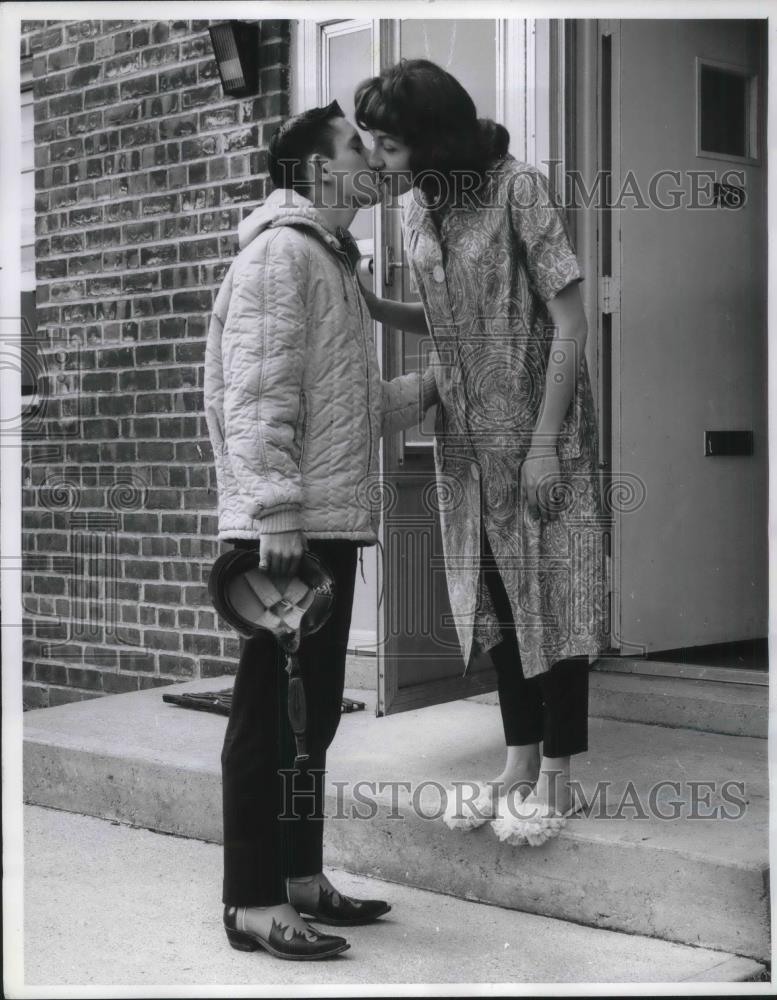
283	207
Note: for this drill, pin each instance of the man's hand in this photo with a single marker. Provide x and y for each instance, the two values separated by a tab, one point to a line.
280	554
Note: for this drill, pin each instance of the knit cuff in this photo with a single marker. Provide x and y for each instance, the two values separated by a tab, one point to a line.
277	520
429	393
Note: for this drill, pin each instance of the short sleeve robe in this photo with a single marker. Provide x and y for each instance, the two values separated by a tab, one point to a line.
485	280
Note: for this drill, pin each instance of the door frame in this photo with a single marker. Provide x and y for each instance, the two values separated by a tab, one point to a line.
536	117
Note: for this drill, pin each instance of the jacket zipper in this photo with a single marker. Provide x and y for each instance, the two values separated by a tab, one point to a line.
367	371
303	426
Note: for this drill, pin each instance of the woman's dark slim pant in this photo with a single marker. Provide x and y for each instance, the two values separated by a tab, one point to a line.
551	708
260	849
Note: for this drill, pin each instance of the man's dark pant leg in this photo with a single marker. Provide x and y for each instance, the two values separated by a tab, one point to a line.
322	663
260	849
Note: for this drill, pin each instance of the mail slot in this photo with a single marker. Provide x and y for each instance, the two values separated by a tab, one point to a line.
728	443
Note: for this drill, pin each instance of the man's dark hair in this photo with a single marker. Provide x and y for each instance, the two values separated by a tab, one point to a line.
297	139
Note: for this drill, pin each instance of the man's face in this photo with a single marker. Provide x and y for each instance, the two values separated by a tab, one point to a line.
350	179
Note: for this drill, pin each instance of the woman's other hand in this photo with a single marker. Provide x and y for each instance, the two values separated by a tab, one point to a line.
540	473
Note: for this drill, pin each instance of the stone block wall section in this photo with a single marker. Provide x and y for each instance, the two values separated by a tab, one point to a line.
143	171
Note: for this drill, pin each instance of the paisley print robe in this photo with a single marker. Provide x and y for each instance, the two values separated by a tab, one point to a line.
484	279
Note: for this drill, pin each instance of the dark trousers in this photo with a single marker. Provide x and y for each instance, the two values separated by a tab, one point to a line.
551	708
261	849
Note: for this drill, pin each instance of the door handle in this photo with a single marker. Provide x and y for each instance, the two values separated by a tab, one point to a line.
389	266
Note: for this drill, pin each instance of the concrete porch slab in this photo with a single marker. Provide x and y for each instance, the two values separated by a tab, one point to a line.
155	900
696	881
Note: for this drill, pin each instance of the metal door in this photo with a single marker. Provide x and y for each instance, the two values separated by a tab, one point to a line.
683	299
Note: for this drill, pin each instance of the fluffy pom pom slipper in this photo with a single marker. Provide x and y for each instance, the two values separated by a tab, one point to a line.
528	822
462	812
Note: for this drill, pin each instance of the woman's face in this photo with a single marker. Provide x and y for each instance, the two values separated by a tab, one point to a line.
390	158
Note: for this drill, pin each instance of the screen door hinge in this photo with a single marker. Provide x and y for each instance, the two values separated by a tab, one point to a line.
609	295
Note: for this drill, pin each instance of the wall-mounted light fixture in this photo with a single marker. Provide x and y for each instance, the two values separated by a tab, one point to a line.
236	46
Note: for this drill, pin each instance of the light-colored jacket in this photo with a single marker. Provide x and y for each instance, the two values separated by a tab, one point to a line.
294	401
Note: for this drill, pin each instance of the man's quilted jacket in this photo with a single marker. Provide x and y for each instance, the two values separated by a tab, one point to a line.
294	401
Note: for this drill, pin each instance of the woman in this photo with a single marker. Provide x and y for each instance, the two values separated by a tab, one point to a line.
516	429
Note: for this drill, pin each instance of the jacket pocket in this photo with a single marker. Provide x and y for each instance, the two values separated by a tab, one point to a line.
301	428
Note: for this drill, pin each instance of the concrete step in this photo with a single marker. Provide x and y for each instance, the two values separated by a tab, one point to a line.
662	694
694	880
156	927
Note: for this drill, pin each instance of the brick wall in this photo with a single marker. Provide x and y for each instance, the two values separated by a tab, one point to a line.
143	171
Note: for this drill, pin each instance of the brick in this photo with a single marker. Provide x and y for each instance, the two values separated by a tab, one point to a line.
122	65
91	680
155	451
175	128
173	326
48	39
118	683
162	546
61	59
239	192
161	55
139	135
147	523
160	31
118	451
116	406
178	78
178	666
218	118
140	86
179	524
162	593
123	114
68	149
82	29
115	357
85	53
50	673
157	639
141	570
178	378
120	260
155	402
144	281
216	668
162	254
193	301
138	380
99	382
163	104
164	204
164	500
199	249
182	225
196	642
99	96
85	75
141	232
101	142
198	96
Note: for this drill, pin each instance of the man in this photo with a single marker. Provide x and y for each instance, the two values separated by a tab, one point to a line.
295	408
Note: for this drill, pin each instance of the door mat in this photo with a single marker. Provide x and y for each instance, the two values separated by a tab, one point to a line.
220	702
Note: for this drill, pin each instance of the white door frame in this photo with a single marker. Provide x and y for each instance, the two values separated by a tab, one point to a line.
527	51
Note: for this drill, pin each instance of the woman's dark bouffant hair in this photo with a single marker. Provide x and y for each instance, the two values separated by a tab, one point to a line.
429	110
